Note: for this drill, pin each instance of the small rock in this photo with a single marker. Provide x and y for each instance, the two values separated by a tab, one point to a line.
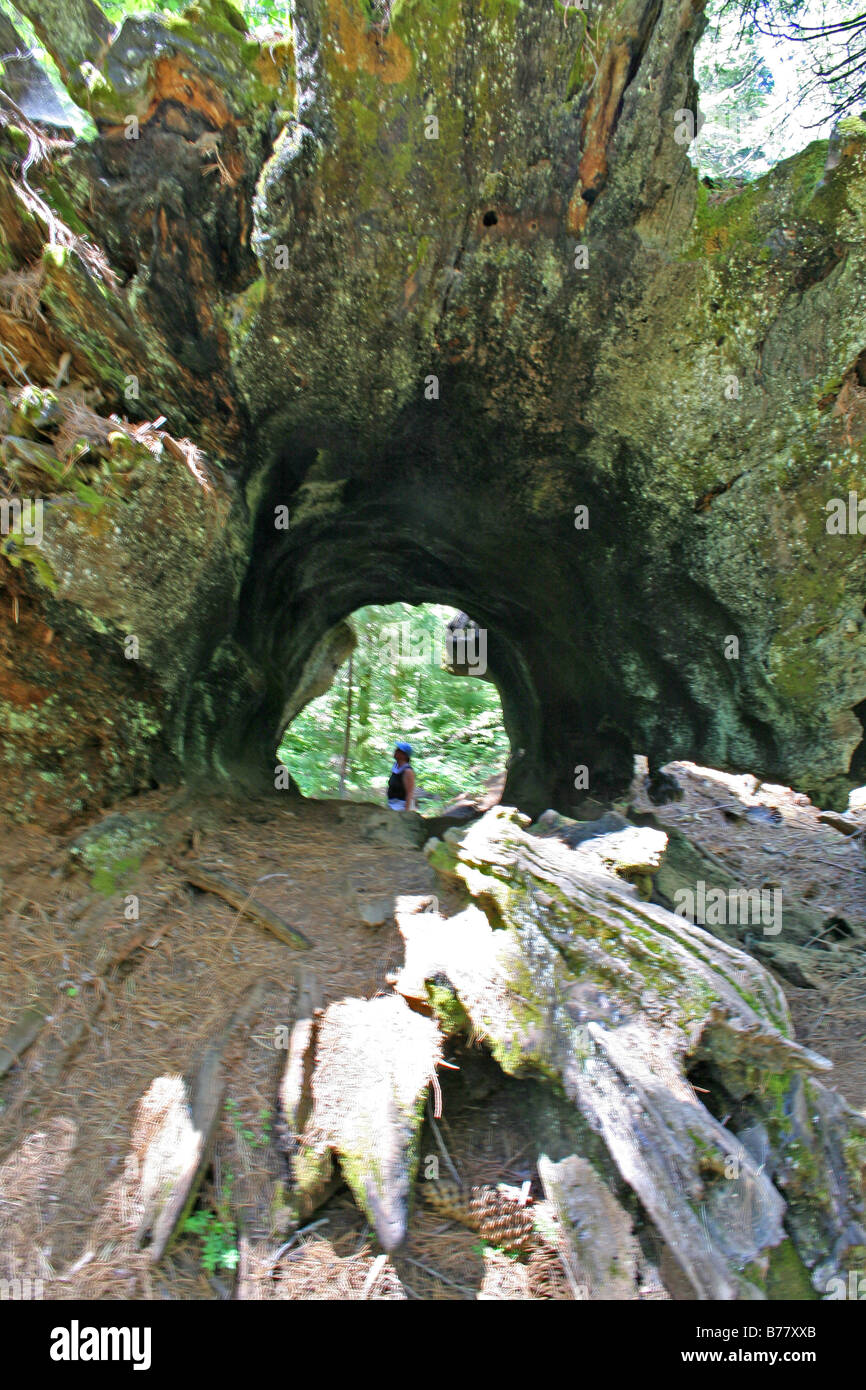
115	846
375	911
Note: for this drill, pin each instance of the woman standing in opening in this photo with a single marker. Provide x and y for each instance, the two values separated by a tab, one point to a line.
401	783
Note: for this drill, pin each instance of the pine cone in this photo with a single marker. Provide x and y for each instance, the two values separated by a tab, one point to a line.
500	1219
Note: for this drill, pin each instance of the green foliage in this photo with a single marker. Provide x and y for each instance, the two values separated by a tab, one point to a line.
736	88
774	75
15	550
118	11
485	1247
454	723
256	12
217	1232
248	1135
825	39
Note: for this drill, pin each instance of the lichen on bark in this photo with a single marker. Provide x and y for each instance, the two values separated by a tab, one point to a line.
344	266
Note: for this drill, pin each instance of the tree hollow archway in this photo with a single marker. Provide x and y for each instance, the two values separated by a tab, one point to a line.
532	367
417	674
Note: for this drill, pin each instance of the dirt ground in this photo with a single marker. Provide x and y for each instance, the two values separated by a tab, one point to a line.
128	1001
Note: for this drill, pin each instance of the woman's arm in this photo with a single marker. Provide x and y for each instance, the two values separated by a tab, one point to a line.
409	787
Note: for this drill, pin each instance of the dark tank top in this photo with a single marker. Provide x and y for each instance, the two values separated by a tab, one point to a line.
396	790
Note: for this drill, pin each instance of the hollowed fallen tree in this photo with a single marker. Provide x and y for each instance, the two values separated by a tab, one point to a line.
566	974
238	251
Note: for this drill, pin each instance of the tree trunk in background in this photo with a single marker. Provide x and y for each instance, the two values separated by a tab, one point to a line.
348	737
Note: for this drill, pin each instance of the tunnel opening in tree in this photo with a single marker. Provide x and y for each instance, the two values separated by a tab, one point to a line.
418	674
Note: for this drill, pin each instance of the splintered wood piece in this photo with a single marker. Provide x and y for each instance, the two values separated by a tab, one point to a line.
259	1199
238	898
605	1255
293	1095
174	1130
315	1176
374	1059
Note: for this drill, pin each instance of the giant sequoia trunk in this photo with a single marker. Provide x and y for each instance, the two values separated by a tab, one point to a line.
433	309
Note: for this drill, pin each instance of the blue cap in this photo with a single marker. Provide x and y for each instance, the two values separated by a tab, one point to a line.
404	748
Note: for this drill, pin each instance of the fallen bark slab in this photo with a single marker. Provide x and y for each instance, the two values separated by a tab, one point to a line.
375	1059
568	975
315	1176
174	1130
258	1196
236	897
294	1095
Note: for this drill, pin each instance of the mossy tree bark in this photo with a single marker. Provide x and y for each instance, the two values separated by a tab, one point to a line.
567	975
434	291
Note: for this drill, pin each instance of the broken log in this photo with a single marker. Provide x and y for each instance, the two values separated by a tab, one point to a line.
236	897
374	1060
791	954
567	975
